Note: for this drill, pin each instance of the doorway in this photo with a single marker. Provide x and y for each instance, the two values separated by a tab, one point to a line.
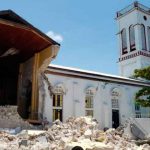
9	69
15	88
115	118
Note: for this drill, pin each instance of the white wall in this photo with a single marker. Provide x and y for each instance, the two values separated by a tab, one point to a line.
74	99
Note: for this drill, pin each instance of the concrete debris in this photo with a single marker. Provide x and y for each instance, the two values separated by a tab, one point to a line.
75	134
137	132
10	120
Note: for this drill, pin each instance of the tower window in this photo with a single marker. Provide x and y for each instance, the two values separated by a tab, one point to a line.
124	42
148	34
143	37
132	38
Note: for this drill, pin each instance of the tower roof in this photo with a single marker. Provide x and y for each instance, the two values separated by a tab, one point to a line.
133	6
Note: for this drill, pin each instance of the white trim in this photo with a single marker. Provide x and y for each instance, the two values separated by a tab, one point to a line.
97	75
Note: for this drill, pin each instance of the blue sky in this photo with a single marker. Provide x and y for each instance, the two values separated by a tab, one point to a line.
86	28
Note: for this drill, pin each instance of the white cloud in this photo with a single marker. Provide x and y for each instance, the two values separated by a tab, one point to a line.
56	37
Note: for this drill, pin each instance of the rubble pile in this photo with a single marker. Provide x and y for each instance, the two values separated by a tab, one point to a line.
9	118
82	131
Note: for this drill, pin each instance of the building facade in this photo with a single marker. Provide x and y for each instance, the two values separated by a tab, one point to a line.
74	92
110	99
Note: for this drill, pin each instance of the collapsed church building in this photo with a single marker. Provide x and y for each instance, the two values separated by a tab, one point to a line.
25	52
58	92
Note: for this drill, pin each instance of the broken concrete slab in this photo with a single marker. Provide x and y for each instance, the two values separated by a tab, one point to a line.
137	132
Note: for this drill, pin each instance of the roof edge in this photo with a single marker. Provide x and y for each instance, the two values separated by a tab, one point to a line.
9	11
98	74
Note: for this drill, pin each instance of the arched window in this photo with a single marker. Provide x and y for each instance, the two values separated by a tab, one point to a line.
89	101
137	111
124	42
132	38
148	34
115	98
115	95
58	102
143	37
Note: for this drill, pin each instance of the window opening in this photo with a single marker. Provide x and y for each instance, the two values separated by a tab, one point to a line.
124	42
132	38
89	103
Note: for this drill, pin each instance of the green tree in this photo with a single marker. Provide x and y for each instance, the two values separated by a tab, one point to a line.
142	97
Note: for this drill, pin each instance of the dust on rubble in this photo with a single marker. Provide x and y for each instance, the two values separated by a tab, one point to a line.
82	132
9	118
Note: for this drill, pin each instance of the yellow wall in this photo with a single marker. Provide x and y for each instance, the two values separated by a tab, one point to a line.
40	63
32	69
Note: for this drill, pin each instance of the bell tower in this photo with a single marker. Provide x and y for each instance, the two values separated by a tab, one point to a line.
134	38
